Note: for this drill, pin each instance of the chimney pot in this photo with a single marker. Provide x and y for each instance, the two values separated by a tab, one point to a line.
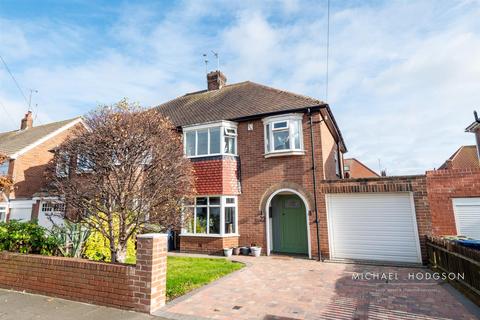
216	80
27	121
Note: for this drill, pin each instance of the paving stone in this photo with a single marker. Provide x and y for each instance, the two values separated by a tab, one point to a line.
272	288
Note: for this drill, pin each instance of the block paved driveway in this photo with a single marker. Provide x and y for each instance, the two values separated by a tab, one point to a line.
291	288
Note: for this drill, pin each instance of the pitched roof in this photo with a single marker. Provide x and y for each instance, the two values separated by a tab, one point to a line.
232	102
465	157
358	169
12	142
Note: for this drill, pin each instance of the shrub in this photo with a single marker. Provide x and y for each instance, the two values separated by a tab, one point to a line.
26	237
70	238
97	248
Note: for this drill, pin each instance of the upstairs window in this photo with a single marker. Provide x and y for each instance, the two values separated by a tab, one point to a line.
84	164
4	167
208	140
283	134
62	167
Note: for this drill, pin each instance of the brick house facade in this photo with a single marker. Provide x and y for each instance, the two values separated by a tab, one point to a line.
259	154
443	187
251	173
29	151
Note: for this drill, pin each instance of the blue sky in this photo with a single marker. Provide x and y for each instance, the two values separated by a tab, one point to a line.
404	75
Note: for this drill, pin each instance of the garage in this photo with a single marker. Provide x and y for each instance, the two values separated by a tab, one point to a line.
373	226
467	216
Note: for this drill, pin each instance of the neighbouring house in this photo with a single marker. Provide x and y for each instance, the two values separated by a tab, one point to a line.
454	191
464	158
353	168
475	129
29	152
258	154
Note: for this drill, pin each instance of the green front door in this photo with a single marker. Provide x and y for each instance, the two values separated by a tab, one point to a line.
293	225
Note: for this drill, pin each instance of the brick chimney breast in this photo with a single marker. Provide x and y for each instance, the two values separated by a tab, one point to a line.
216	80
27	121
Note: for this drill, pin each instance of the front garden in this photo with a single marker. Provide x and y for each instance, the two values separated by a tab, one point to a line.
183	273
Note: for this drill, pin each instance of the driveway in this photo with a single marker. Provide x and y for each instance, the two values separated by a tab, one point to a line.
288	288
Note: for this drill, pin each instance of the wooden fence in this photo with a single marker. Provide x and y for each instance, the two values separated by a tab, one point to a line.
450	257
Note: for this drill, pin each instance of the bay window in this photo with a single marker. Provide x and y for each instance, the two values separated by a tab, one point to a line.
283	134
212	215
212	139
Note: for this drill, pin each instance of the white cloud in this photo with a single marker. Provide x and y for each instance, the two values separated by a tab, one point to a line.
404	76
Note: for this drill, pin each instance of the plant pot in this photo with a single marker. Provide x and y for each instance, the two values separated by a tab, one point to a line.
227	252
236	251
256	251
244	251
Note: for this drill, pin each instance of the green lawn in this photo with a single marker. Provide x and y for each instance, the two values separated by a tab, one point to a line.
186	273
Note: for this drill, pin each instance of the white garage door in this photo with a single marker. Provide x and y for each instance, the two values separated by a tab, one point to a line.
21	210
467	216
373	226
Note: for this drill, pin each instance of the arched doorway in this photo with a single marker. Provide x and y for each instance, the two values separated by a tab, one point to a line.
287	225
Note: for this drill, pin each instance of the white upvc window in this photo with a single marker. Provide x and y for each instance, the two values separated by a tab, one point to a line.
84	163
211	215
219	138
283	134
4	167
53	207
337	164
3	211
62	167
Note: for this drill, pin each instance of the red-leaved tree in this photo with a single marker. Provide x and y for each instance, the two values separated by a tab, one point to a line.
124	174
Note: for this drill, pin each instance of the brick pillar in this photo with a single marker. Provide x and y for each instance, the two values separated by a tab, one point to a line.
151	272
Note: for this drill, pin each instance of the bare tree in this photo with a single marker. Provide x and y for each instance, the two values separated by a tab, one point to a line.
123	174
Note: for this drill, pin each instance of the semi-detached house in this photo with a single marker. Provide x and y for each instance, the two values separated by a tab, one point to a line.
29	151
258	154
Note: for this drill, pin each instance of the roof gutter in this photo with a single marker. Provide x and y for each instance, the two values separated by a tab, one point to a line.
307	110
262	115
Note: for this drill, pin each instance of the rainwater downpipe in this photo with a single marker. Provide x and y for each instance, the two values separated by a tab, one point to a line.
314	177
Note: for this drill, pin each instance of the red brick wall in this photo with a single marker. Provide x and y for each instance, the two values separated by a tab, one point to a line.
216	175
261	176
415	184
140	287
443	186
28	170
206	244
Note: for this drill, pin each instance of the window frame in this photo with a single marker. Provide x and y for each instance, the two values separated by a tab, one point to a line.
3	211
222	205
65	162
224	126
5	164
269	129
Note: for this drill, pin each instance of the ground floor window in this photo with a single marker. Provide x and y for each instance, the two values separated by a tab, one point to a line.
214	215
3	213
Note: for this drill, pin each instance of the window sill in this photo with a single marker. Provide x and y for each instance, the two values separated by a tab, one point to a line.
204	235
285	153
211	155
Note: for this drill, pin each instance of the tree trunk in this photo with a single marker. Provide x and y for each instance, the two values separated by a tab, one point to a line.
120	253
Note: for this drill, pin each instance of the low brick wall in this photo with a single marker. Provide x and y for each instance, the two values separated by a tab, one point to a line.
207	245
139	287
443	186
417	185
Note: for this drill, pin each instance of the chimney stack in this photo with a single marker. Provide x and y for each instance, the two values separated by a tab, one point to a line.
27	121
216	80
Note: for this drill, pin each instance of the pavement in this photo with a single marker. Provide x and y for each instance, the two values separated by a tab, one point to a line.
282	288
24	306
